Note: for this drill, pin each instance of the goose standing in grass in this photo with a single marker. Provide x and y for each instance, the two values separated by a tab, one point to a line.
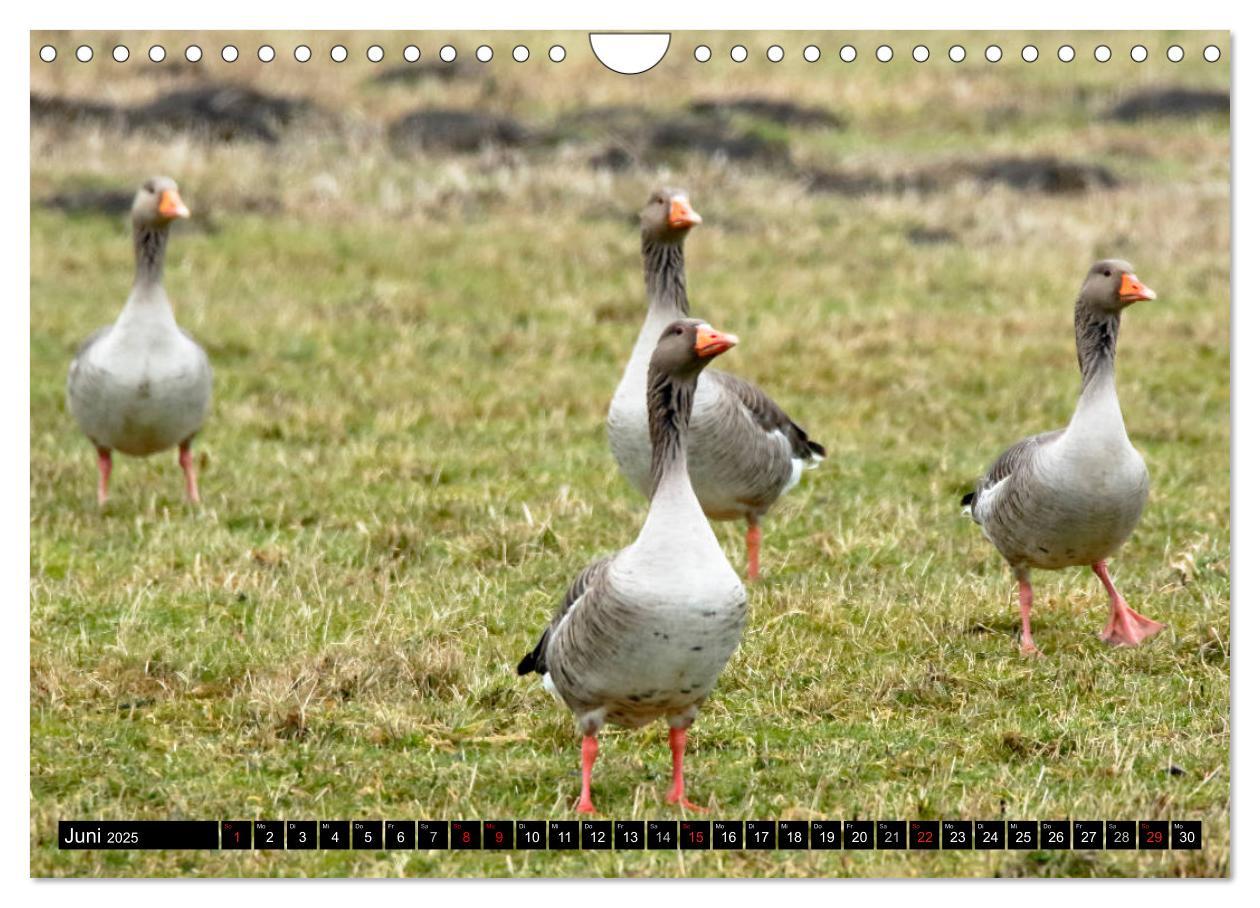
743	450
142	384
644	633
1072	496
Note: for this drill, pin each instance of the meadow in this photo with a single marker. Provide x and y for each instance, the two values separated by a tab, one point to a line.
414	350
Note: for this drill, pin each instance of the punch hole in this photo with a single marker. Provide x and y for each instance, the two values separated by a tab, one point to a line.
702	53
447	53
411	53
958	53
920	53
739	53
121	54
520	53
774	53
1102	53
48	53
339	53
1176	54
1030	53
1138	54
192	53
993	53
1211	53
83	53
229	53
375	53
848	53
266	53
302	53
628	53
811	53
485	53
883	53
556	53
157	53
1067	53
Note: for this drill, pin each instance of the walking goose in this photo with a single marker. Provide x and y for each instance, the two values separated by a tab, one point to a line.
645	633
1072	496
743	450
142	384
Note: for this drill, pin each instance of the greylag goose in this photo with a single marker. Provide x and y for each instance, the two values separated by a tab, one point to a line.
1072	496
743	450
142	384
644	633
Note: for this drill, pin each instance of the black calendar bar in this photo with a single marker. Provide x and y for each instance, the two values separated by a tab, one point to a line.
633	835
93	835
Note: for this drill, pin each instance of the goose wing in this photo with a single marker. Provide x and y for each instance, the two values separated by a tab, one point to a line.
1009	463
769	415
591	578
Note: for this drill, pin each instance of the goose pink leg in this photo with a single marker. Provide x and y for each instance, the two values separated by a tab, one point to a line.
104	466
677	792
590	750
1125	627
190	472
754	551
1026	645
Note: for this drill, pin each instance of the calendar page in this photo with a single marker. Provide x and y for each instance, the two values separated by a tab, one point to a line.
587	454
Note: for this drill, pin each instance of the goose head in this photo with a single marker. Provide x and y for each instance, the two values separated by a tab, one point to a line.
687	346
1111	285
157	203
668	216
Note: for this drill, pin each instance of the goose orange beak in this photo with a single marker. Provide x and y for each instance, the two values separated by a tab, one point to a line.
1132	290
171	206
681	214
710	342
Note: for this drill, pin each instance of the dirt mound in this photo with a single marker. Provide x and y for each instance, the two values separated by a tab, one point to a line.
630	134
220	112
715	137
1170	102
91	201
45	109
785	113
429	70
860	183
1045	174
450	129
217	112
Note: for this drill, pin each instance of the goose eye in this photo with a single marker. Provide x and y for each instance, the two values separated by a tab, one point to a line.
1107	273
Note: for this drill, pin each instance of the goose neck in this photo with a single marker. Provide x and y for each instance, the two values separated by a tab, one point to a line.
665	275
150	246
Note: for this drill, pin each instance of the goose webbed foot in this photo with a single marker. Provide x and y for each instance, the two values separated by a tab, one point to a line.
104	466
590	750
1125	627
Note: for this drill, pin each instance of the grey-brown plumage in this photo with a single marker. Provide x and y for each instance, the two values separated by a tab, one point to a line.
142	384
744	451
645	633
1074	495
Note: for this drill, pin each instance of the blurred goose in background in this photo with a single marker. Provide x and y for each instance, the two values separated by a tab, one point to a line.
1074	495
743	450
645	633
142	384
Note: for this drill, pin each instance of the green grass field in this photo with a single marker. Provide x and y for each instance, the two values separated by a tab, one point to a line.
406	464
